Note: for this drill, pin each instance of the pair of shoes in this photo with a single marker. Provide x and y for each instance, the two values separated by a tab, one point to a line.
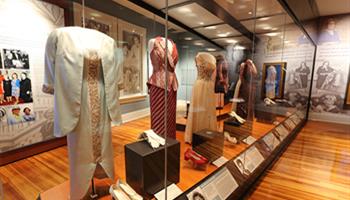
122	191
230	139
269	102
235	115
152	138
197	159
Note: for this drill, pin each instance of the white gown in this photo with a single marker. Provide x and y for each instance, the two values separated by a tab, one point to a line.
82	73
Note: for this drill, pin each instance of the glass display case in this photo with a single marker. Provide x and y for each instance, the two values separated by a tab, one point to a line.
202	96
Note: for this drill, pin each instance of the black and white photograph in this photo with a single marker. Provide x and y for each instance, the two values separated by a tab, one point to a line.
299	78
327	103
132	40
328	78
271	141
93	24
15	87
3	116
15	59
248	161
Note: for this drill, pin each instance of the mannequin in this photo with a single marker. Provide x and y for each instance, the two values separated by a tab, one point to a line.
156	86
83	73
245	90
202	114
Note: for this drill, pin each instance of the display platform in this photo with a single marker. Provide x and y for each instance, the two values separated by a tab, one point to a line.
61	191
220	114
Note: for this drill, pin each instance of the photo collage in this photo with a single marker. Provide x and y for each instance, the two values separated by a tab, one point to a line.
16	98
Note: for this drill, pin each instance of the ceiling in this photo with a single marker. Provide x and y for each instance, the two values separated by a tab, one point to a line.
333	7
242	13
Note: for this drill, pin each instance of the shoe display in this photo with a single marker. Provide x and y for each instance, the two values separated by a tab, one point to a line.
117	193
128	190
230	139
235	115
122	191
196	158
269	102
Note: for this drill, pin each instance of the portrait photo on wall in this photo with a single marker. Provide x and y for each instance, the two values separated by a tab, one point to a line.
329	33
298	78
132	40
15	87
273	79
99	26
20	113
15	59
347	94
327	77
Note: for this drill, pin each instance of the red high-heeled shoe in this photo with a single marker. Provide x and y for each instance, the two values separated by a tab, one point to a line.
196	158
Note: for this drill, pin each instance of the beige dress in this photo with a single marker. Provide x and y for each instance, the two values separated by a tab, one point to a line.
202	113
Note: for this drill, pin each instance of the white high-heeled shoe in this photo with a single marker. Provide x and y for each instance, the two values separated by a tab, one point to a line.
228	137
128	190
239	119
268	101
117	193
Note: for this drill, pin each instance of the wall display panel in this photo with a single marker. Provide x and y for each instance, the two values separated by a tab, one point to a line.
27	113
331	70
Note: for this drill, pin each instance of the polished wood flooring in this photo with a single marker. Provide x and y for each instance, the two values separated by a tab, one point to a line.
25	179
315	166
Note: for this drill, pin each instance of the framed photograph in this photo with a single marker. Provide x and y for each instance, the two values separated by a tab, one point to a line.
132	41
347	94
273	79
15	59
94	19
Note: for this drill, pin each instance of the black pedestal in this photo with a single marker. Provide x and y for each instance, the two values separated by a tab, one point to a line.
209	144
145	166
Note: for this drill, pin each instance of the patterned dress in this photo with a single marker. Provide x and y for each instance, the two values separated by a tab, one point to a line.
156	88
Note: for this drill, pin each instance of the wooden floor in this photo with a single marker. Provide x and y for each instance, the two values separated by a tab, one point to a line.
315	166
316	161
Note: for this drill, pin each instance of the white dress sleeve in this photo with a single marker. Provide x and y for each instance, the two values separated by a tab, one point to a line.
50	54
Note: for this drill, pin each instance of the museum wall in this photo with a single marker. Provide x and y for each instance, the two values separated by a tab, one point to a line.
30	48
288	47
331	81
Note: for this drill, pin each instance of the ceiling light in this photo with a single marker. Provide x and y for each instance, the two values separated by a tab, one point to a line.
264	19
286	41
266	27
199	43
184	10
211	27
272	34
274	29
231	41
242	7
210	49
239	47
95	14
230	1
224	34
250	12
188	38
201	23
